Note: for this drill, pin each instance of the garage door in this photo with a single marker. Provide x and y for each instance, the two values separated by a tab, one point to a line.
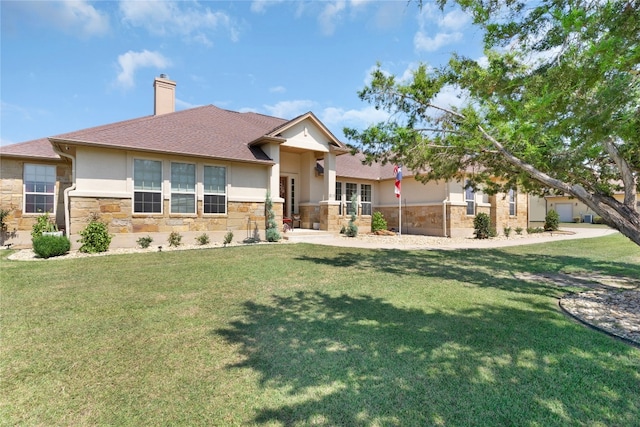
565	211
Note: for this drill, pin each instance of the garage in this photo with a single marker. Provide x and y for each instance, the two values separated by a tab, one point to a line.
565	211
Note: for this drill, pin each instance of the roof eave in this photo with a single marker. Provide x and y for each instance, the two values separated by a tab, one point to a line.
148	150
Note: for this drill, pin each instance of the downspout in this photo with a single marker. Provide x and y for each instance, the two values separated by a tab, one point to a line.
444	216
444	210
67	209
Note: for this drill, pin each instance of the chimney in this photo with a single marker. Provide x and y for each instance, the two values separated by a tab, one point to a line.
164	95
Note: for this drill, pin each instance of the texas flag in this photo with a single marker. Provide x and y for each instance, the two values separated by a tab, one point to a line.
397	171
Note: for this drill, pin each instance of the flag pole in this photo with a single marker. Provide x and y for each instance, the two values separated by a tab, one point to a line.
400	216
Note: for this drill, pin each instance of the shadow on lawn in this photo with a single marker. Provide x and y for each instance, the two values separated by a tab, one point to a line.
490	268
360	361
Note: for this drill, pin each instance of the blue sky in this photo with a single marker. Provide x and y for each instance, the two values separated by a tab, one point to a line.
71	65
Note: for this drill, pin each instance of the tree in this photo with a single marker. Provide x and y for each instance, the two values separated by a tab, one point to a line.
553	107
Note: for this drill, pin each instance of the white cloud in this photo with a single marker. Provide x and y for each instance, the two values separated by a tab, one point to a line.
422	42
449	25
360	119
168	18
277	89
260	6
73	17
289	109
131	61
330	16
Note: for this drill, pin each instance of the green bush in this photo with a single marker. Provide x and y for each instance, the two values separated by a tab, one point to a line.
352	228
551	221
598	220
144	242
203	239
482	226
519	230
534	230
175	239
51	246
95	237
507	231
378	222
272	234
43	223
228	238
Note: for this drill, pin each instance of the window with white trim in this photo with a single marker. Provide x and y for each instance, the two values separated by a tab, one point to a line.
215	190
339	196
365	198
147	186
470	199
512	202
39	188
351	189
183	188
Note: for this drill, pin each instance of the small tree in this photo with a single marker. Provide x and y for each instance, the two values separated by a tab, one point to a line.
352	228
551	221
272	233
482	226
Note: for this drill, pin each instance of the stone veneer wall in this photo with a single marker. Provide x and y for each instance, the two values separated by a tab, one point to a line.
19	224
500	217
242	218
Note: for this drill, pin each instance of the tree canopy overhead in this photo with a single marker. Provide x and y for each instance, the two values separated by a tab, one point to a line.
553	106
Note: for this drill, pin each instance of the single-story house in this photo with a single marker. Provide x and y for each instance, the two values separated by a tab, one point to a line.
209	170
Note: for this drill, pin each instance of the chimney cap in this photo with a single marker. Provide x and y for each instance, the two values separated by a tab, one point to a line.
164	76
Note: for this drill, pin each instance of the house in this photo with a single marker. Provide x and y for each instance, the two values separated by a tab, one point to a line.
569	209
209	170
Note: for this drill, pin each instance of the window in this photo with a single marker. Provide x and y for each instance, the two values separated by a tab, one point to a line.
512	202
470	199
339	196
39	188
215	190
293	196
147	186
351	189
183	188
365	197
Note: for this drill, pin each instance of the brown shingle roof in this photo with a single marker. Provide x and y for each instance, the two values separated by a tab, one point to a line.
206	131
36	149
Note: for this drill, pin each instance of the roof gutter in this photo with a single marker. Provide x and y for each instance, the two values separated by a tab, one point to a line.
67	207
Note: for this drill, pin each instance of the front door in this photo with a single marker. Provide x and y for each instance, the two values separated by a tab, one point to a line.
283	195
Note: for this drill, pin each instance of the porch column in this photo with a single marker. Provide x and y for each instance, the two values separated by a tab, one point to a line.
329	177
273	185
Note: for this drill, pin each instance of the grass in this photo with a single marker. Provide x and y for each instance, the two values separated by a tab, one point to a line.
292	335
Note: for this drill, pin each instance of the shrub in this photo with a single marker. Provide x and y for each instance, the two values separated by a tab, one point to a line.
598	220
343	229
519	230
507	231
378	222
203	239
43	223
228	238
352	228
95	237
51	246
272	234
577	219
551	221
482	226
144	242
175	239
534	230
4	213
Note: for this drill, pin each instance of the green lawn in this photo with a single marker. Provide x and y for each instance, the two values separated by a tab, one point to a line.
292	335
